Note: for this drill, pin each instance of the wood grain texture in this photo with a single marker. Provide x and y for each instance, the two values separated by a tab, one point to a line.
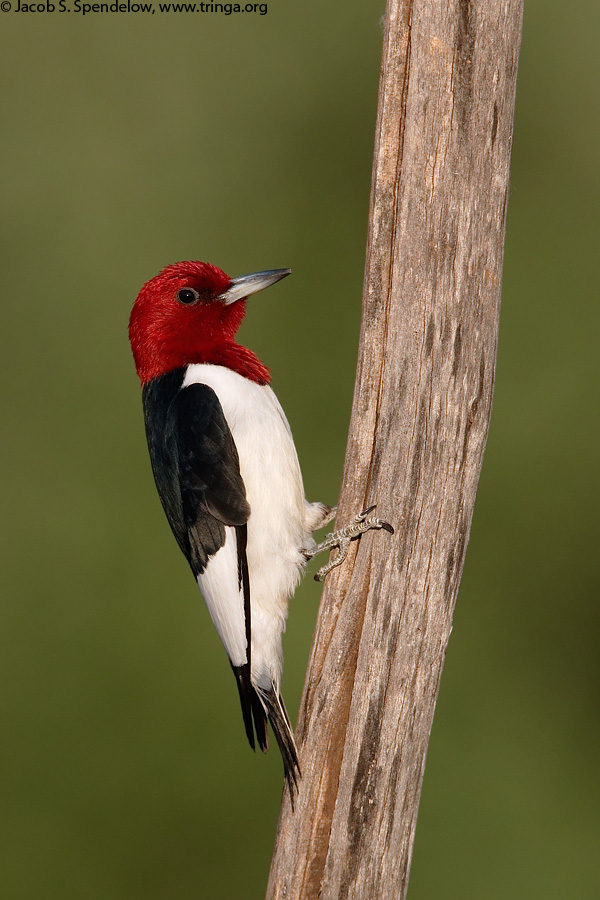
419	424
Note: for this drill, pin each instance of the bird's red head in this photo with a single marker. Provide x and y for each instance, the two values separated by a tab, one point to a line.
190	313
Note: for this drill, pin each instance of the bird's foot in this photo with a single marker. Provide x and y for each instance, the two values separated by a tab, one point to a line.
341	540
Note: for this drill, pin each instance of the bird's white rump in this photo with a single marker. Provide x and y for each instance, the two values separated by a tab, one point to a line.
279	527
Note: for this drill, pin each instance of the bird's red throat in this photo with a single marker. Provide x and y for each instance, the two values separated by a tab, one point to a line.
166	334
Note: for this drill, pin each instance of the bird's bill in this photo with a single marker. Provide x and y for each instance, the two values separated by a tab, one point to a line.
250	284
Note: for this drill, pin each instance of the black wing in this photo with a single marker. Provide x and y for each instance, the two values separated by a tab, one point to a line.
195	464
197	473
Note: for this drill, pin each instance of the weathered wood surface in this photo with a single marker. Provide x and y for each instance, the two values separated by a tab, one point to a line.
419	424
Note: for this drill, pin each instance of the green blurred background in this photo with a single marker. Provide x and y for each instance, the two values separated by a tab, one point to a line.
131	142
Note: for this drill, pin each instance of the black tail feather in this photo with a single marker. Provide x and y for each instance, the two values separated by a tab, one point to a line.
247	694
280	723
260	722
257	707
253	709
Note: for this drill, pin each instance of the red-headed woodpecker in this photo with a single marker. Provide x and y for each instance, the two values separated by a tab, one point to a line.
228	476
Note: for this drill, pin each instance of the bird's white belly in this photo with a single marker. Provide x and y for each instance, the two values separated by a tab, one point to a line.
277	528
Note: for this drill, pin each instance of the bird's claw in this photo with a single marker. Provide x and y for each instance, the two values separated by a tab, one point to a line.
341	539
373	522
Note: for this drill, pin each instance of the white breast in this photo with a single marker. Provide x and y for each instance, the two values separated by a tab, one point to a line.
277	528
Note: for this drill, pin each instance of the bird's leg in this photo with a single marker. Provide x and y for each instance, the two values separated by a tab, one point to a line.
342	538
319	515
328	516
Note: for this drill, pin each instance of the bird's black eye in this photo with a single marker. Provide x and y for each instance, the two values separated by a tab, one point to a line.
188	295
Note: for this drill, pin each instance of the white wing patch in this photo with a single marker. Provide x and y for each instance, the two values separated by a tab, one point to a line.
278	527
220	589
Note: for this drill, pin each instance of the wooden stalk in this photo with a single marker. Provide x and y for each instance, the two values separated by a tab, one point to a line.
419	424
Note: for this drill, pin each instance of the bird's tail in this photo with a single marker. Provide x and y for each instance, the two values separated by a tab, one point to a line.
282	729
253	708
258	706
